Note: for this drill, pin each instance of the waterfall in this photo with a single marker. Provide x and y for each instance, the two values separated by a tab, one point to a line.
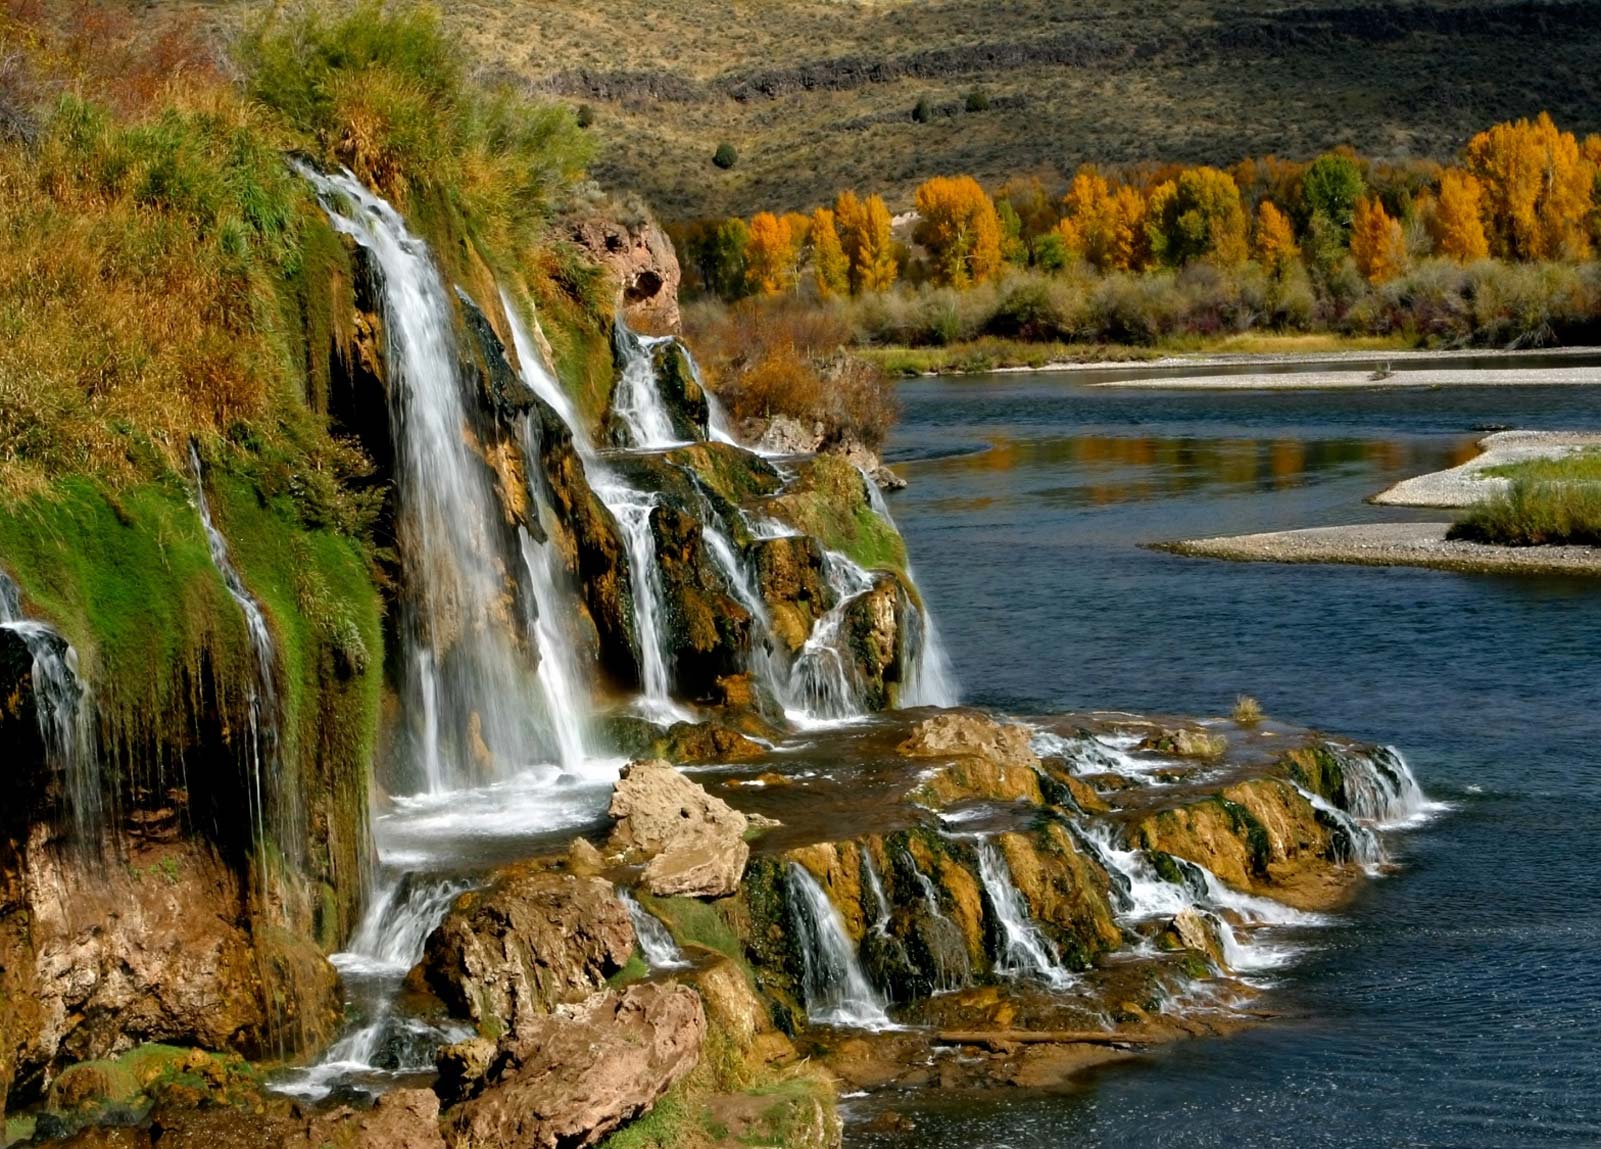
718	429
632	510
948	948
823	684
281	791
1358	842
766	660
1380	788
836	991
875	888
387	944
64	710
926	678
636	401
656	945
1025	951
466	681
539	379
561	685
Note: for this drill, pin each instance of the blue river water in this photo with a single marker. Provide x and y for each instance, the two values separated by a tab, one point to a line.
1456	1002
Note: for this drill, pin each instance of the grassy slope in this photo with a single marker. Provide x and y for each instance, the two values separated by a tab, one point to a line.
1201	81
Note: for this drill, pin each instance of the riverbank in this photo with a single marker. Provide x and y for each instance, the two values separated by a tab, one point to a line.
1470	483
1391	544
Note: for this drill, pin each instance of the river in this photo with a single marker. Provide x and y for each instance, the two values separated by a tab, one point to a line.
1456	1002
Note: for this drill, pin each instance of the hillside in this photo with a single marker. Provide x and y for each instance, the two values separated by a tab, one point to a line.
817	94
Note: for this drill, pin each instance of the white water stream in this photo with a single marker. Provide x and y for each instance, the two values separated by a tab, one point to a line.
836	990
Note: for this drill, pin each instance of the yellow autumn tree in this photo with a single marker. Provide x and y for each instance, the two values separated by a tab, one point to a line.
960	228
1537	189
1377	243
1458	223
865	234
1197	216
1103	224
1274	240
830	265
769	255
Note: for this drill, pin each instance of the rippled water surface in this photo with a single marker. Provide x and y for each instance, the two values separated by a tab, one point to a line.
1457	1002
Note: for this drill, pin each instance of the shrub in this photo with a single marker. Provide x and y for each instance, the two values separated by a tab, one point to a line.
725	156
1536	513
1247	710
922	111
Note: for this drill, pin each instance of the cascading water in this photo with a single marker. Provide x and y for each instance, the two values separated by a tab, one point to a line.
636	400
927	679
718	429
466	681
1025	951
1360	843
561	686
387	944
275	792
823	685
656	945
64	710
539	379
953	968
875	889
1380	788
632	510
836	990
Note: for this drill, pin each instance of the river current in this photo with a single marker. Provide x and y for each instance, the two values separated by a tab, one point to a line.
1457	1002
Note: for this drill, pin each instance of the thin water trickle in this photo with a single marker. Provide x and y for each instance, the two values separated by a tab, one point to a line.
65	713
1025	950
947	945
656	945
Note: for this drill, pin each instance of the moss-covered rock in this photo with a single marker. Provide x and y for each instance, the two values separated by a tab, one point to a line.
828	499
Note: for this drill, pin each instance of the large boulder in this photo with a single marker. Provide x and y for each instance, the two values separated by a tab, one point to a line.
963	734
695	842
401	1119
565	1081
532	940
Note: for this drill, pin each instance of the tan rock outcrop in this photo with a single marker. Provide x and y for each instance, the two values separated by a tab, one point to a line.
508	954
641	261
567	1080
401	1119
967	734
695	841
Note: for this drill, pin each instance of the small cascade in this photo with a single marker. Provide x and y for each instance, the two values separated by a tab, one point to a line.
1026	952
64	709
561	685
632	510
271	786
767	662
656	945
836	990
466	679
1358	843
822	685
927	679
875	889
1380	787
718	429
636	401
387	944
953	968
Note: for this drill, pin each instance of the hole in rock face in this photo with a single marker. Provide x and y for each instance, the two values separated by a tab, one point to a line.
645	286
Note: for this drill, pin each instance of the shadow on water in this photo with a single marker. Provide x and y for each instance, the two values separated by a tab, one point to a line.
1457	1002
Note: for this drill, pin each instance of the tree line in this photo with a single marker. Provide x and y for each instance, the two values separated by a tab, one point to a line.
1521	191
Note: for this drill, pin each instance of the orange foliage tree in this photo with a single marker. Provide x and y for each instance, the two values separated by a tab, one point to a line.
769	255
960	229
1105	225
1197	216
1538	189
1275	238
1458	224
864	232
831	267
1377	243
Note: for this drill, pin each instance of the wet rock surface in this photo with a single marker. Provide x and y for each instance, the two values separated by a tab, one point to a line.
532	940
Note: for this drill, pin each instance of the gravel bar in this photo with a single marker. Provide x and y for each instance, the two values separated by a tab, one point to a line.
1463	486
